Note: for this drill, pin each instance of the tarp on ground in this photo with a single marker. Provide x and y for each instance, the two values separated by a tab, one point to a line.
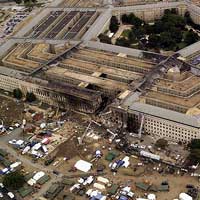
142	186
52	189
111	156
163	188
3	153
153	188
113	189
6	163
43	179
25	191
69	182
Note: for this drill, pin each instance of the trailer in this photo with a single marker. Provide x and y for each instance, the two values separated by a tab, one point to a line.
44	149
150	155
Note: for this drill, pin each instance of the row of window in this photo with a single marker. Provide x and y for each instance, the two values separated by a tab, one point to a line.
191	91
166	105
113	64
169	130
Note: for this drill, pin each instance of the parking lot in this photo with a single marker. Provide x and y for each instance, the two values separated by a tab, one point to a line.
9	20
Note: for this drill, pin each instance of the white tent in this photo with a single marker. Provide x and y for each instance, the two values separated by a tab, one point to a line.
151	197
14	165
38	175
184	196
99	186
31	182
126	161
102	179
83	166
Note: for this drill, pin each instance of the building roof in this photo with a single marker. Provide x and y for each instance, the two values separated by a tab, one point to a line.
165	114
11	72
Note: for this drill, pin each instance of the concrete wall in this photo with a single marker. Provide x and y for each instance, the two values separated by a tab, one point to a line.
99	26
49	95
194	12
162	128
151	12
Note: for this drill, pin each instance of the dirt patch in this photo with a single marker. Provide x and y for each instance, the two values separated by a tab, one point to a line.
70	149
10	111
67	149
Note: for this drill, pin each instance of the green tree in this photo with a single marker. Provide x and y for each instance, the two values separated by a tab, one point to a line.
194	144
30	97
166	41
131	37
158	27
168	25
114	24
14	180
167	11
191	37
187	18
174	20
194	155
139	32
125	19
190	22
17	93
149	29
122	42
138	22
132	19
153	41
29	4
104	38
18	1
177	34
174	11
161	143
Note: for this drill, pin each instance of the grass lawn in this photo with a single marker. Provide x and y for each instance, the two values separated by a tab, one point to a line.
134	44
182	45
125	33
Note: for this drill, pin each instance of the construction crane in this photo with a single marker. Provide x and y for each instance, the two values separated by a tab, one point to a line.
85	132
98	124
113	134
106	113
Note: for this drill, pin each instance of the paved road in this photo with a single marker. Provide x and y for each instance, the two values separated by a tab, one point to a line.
119	32
23	159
